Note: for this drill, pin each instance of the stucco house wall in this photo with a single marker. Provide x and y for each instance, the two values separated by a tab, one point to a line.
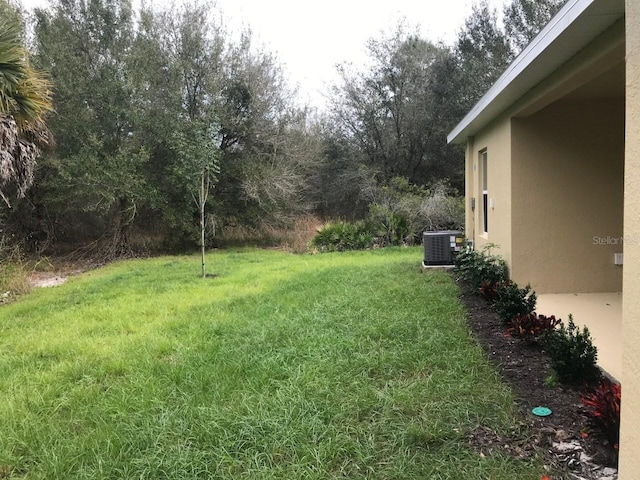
496	140
556	170
629	435
535	95
567	167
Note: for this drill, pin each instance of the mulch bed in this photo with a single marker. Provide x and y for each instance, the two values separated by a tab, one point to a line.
524	366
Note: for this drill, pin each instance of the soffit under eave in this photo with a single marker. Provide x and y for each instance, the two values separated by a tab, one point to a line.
593	22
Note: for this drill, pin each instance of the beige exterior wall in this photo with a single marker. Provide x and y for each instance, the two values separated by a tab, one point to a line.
496	140
630	431
564	190
567	196
560	193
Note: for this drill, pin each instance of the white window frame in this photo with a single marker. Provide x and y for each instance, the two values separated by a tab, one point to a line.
485	191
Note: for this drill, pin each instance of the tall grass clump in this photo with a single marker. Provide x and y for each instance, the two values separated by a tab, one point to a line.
293	236
14	274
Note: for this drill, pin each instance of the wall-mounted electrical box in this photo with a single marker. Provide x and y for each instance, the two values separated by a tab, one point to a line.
617	258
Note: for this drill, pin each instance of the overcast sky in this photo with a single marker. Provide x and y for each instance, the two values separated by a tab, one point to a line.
311	37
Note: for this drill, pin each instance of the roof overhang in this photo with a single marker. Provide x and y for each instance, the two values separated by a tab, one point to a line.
576	25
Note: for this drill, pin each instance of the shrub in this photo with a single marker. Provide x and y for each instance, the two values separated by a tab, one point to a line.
511	301
443	209
391	228
480	266
489	291
400	211
603	404
573	354
532	325
339	236
551	381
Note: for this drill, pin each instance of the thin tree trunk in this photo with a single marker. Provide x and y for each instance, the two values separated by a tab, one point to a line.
202	203
117	237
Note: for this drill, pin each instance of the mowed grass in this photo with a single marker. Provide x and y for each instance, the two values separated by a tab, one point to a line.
350	365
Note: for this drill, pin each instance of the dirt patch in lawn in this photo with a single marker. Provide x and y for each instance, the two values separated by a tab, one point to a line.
46	279
525	367
58	271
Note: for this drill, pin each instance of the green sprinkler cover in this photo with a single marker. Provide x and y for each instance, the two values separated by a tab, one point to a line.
541	411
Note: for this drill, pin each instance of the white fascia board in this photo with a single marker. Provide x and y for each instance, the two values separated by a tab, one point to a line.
495	98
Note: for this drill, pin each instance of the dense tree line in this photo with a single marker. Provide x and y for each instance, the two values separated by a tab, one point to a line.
152	105
146	104
390	119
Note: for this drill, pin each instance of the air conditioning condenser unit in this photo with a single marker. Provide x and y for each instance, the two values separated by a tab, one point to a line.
440	248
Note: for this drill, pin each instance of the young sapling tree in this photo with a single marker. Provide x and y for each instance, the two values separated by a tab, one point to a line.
197	150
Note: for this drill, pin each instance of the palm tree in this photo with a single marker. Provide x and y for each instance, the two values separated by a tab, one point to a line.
25	99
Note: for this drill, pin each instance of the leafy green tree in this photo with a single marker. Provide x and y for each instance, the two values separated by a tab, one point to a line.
11	13
523	19
175	72
98	168
277	176
483	52
267	149
394	114
336	181
197	147
131	97
194	42
484	49
207	76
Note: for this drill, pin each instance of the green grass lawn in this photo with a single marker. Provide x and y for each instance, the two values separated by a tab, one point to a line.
350	365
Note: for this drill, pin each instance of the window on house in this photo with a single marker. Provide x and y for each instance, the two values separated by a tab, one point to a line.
485	194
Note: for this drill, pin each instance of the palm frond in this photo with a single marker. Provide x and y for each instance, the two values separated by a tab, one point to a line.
12	64
25	99
25	93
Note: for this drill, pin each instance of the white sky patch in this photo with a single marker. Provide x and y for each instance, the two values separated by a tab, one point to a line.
311	37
